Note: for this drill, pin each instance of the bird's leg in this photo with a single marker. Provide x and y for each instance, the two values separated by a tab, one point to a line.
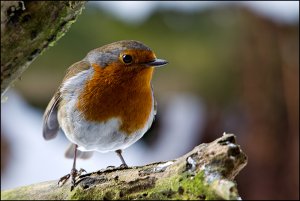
74	173
119	152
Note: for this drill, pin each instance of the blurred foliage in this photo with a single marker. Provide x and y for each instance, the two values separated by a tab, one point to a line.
200	47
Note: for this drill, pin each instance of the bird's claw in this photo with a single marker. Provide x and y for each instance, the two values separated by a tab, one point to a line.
123	166
81	171
111	167
74	174
63	180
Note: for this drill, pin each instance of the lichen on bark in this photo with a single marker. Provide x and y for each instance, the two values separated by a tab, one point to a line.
205	173
27	29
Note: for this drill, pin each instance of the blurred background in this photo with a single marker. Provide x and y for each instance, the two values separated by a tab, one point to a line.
233	67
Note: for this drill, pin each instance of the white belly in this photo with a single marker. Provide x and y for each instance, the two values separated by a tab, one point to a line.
102	137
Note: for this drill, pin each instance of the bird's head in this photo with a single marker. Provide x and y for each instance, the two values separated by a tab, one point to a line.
127	55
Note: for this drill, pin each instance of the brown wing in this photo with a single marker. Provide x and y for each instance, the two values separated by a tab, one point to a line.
76	68
50	122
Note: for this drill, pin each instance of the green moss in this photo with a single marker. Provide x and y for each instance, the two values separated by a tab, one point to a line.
94	193
91	194
15	195
197	188
181	187
65	25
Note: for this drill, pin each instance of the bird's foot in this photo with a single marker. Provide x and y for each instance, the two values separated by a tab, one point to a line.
63	180
123	166
111	167
74	175
81	171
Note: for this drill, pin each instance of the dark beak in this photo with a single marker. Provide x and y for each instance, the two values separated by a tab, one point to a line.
156	63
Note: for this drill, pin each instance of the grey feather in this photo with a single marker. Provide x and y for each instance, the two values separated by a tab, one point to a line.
50	122
80	154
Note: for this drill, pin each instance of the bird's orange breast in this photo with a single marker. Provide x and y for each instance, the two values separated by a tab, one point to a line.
117	92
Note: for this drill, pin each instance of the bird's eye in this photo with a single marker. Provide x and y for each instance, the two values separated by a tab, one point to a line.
127	59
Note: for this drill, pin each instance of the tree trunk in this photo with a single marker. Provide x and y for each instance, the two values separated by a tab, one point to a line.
207	172
27	29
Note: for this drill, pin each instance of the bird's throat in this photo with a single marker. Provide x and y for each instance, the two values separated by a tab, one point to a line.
117	92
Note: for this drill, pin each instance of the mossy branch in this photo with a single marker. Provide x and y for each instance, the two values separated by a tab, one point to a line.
27	29
207	172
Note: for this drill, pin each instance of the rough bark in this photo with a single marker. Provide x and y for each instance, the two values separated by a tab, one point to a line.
27	29
207	172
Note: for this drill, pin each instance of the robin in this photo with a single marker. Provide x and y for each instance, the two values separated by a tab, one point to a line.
105	102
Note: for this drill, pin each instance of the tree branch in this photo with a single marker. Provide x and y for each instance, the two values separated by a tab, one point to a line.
27	29
207	172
